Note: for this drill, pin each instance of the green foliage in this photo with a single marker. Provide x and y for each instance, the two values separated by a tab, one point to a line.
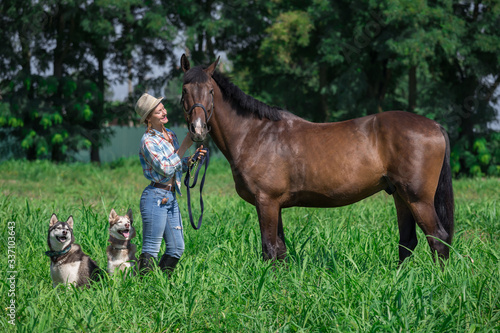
331	61
53	115
42	120
482	158
292	30
323	60
341	275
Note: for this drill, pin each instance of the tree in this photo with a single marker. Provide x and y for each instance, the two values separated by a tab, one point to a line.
122	31
25	110
324	60
52	115
332	61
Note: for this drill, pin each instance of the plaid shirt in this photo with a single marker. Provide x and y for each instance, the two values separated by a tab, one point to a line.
159	158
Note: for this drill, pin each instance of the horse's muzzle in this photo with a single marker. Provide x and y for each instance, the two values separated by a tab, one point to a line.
198	130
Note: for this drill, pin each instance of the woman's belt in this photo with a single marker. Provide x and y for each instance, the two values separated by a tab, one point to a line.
167	187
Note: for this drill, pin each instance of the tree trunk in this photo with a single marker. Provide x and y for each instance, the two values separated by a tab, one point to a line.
412	89
31	153
94	149
94	154
323	96
57	155
469	109
386	74
210	47
56	152
25	56
129	70
59	49
378	78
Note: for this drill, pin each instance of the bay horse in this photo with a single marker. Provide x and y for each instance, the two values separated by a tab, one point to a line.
280	160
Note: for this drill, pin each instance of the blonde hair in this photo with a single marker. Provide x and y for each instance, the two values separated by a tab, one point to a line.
148	124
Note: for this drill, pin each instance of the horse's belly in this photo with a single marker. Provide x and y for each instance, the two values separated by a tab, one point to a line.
332	198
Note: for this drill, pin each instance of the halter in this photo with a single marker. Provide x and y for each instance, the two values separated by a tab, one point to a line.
203	160
195	105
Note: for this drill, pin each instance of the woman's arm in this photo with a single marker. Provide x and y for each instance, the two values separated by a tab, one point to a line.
162	160
186	143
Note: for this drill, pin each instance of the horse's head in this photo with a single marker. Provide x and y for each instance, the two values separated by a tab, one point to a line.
198	98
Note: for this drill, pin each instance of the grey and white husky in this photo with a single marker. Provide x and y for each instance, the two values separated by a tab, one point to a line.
121	252
68	263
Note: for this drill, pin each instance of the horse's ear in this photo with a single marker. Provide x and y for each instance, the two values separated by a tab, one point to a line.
211	69
185	63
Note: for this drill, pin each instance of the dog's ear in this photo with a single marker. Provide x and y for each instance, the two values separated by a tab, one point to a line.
129	214
70	221
53	220
112	215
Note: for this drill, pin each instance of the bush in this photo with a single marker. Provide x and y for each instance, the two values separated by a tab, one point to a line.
481	158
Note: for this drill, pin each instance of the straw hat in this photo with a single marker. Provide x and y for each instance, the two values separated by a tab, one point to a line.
146	104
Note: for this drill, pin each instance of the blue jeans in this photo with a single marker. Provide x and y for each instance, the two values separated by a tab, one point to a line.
161	221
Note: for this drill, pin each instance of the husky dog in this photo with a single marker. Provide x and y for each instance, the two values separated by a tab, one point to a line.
121	252
68	263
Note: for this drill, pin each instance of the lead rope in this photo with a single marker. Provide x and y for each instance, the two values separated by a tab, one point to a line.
203	160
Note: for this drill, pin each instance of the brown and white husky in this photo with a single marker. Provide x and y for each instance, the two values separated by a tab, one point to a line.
121	252
68	263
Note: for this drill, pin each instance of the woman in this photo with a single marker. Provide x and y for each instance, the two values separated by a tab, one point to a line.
161	162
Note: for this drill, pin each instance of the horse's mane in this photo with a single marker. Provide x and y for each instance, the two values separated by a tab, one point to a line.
242	102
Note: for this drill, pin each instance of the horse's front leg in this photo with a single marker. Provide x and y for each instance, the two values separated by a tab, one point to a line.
281	235
271	229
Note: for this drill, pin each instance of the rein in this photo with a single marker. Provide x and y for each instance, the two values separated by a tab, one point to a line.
203	160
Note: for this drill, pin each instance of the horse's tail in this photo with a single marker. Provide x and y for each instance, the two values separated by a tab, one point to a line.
443	198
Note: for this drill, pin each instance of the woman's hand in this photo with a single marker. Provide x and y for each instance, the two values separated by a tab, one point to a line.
198	154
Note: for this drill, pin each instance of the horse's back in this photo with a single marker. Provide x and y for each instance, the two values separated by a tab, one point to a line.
401	121
344	162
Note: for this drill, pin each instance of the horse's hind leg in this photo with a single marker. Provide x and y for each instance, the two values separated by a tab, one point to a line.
407	229
427	219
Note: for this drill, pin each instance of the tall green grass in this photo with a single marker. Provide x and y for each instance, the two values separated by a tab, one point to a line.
341	275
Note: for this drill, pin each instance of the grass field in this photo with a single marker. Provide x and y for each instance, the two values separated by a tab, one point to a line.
341	276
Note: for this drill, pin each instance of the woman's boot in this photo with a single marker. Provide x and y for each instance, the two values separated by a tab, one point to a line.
146	262
168	263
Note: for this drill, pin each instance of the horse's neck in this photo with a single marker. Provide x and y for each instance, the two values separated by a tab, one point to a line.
230	131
